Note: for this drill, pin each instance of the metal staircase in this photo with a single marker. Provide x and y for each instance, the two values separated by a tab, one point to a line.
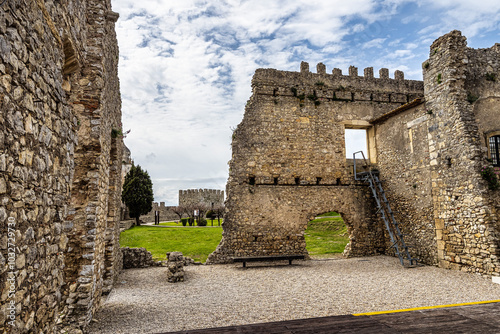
386	212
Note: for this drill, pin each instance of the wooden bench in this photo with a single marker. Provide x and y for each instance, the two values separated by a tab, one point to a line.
246	259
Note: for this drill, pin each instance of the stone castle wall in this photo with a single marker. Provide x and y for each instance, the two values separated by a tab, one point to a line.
428	139
404	165
210	197
289	164
191	197
166	213
59	164
466	211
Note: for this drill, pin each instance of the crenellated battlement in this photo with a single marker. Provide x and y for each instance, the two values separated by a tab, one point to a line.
208	196
353	71
201	191
337	86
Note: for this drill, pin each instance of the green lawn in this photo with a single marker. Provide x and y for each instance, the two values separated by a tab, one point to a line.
209	223
325	237
171	224
195	242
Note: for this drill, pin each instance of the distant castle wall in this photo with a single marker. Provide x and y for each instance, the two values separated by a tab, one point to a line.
210	197
166	213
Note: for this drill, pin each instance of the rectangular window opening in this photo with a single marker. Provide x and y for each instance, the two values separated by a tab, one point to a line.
495	150
355	141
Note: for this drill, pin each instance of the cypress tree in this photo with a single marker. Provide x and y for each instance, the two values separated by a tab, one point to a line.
137	192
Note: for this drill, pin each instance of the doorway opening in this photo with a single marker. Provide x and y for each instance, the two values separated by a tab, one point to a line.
326	235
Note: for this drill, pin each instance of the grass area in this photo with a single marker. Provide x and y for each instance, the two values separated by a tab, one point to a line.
209	223
197	243
171	224
329	214
326	237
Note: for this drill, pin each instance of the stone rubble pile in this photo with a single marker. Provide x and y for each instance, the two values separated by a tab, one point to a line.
136	258
175	264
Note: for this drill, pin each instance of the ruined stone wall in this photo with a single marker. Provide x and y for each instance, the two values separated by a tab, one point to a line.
60	100
403	162
196	196
289	164
166	213
466	219
93	228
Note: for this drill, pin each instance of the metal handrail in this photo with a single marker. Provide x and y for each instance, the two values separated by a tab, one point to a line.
354	158
383	206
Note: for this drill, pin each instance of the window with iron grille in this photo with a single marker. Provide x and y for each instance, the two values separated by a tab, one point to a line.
494	150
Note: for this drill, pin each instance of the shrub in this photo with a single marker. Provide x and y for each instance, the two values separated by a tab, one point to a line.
472	98
184	221
490	175
210	214
491	77
202	222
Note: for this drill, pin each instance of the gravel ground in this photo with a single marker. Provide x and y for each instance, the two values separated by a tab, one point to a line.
223	295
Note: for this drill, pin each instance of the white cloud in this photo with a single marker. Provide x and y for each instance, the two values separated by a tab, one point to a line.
186	65
374	43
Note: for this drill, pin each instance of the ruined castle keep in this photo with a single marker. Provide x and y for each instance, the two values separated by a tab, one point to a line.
60	162
429	140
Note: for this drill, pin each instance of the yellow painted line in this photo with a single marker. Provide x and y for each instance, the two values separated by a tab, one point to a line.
426	308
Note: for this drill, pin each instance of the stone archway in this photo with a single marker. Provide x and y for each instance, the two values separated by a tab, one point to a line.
327	235
271	219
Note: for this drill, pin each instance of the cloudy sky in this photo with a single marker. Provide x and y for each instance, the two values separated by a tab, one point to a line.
186	65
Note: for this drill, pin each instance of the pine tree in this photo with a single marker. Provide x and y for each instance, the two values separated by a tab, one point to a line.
137	193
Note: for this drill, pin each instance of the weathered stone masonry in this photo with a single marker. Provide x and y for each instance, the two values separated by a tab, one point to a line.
428	139
60	166
289	163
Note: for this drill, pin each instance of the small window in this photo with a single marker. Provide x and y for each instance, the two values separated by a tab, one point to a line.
251	180
494	150
297	180
275	181
355	140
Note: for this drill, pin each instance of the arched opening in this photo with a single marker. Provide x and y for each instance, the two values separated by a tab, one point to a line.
326	235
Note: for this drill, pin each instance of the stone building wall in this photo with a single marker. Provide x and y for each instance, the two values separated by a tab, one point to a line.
196	196
59	165
289	164
466	211
403	162
428	139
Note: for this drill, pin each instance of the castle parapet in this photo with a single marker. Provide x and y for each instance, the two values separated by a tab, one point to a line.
336	86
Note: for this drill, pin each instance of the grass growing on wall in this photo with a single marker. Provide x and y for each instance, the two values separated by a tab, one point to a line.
194	242
326	236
